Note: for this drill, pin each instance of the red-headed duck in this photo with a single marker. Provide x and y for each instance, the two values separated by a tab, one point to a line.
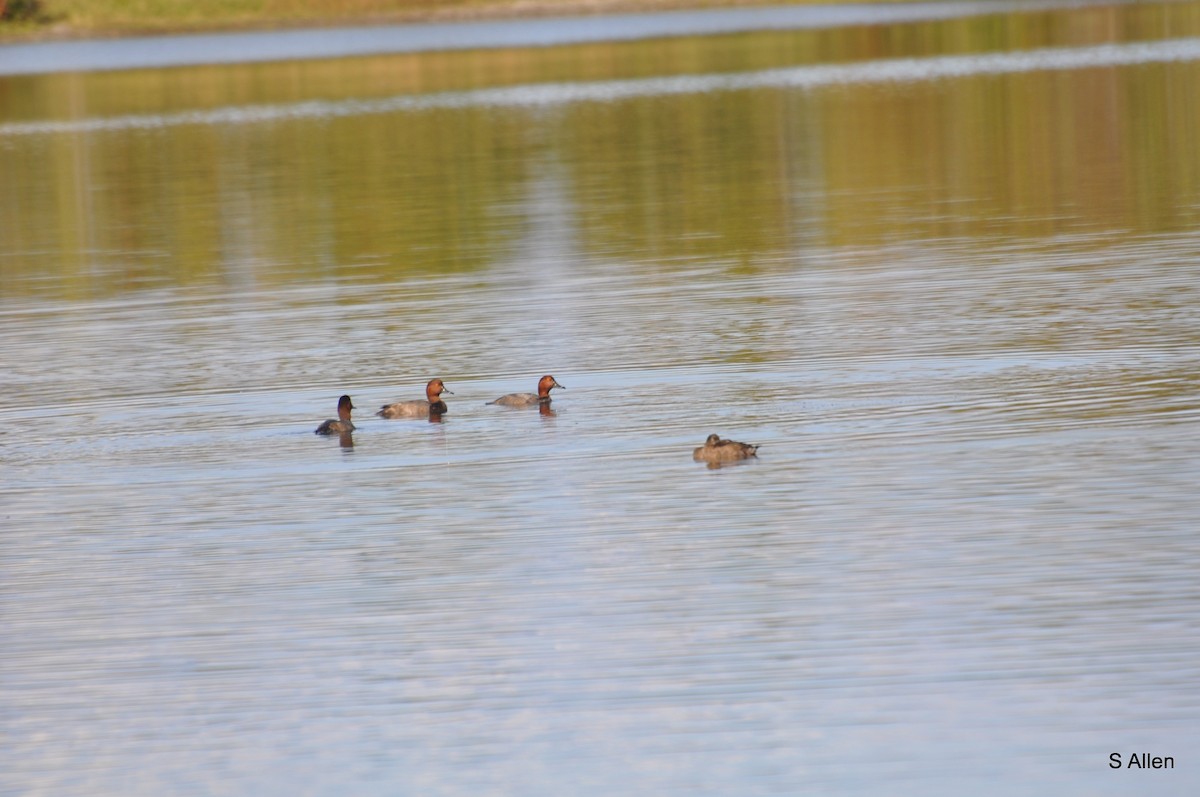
342	423
717	451
431	406
542	397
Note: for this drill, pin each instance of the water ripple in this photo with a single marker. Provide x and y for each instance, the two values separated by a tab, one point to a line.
903	70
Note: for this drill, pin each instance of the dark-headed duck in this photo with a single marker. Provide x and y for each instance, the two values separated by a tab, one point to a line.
342	424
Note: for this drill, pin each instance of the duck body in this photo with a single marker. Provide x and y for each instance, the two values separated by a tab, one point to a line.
416	408
716	450
341	424
333	426
412	409
542	397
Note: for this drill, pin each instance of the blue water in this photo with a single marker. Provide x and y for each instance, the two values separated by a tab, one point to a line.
963	562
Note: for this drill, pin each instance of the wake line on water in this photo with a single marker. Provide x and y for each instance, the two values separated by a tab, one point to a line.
902	70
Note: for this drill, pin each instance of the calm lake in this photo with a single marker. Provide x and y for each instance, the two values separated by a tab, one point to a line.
945	270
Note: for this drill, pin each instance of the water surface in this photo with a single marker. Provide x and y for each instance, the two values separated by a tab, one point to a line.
944	272
148	52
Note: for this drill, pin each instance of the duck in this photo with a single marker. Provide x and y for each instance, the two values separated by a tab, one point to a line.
342	423
431	406
542	397
716	451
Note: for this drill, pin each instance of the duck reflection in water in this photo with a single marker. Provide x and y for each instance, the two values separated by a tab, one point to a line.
717	452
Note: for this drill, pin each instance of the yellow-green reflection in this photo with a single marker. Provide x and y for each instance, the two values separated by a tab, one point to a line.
737	175
146	91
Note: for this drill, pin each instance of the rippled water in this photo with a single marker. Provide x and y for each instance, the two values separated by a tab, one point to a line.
964	561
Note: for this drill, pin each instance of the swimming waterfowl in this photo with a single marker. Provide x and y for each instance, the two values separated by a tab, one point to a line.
542	397
342	423
716	450
431	406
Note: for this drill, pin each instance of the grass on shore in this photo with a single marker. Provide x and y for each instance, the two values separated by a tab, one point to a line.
32	19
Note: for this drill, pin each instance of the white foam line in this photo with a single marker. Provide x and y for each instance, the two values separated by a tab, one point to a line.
903	70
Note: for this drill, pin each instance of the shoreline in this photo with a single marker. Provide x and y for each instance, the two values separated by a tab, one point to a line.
308	43
429	11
